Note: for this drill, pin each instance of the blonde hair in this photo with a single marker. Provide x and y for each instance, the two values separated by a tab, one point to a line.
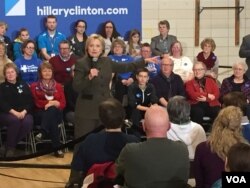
5	57
95	37
45	65
2	23
172	45
226	131
208	41
118	42
8	66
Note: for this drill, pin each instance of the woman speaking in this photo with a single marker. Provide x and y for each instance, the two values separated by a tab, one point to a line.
92	79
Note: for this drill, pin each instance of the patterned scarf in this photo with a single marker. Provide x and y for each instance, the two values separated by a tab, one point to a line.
201	82
47	88
209	62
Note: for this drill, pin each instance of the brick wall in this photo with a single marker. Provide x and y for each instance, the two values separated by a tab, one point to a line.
218	24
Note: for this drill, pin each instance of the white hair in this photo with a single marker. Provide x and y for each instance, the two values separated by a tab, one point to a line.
240	63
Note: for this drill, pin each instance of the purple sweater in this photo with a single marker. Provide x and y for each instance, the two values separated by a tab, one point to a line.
227	87
208	166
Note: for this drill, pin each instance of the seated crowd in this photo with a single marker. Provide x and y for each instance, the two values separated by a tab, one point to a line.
166	101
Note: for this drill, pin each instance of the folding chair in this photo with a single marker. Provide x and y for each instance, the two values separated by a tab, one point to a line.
29	141
62	135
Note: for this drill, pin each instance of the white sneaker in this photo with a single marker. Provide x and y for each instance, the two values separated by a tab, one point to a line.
59	154
38	137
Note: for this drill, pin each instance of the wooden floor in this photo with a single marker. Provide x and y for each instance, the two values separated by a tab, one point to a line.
40	177
36	177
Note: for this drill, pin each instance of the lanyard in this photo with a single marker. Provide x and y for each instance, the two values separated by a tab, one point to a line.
52	42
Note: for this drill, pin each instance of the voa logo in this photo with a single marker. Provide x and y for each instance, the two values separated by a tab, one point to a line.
236	179
15	8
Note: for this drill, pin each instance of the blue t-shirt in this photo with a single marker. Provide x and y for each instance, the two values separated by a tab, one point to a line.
51	44
153	69
122	59
28	69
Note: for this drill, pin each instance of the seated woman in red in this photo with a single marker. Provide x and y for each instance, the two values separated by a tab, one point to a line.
203	95
49	102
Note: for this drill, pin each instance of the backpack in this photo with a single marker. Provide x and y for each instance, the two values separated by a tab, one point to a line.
100	175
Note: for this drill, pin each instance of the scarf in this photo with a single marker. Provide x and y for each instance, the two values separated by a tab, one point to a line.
201	82
209	62
47	88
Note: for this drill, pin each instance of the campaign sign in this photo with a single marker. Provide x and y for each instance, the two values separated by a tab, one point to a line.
235	179
126	14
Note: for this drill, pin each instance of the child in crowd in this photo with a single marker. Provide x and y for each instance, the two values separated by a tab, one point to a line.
134	44
141	95
23	35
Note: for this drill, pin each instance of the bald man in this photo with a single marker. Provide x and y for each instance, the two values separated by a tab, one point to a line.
157	162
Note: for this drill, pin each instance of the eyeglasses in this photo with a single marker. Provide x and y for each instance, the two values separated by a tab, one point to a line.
198	70
64	48
30	48
238	69
79	26
167	65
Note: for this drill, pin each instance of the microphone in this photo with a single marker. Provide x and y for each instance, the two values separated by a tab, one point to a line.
94	62
94	65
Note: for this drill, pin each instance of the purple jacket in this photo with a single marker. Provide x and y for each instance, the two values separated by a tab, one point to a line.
227	86
208	166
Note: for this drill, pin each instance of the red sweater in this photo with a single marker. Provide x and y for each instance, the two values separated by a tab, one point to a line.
62	69
41	101
193	91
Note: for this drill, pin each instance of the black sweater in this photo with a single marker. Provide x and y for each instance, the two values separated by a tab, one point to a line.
15	96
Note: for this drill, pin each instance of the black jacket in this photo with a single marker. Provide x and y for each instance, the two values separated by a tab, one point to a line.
137	97
15	96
